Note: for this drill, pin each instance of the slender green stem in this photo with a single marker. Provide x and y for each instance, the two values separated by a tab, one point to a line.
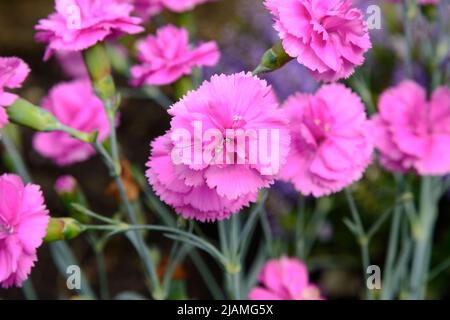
28	290
312	230
235	284
92	214
387	292
101	269
363	240
267	231
445	265
207	275
423	235
249	227
410	10
19	164
176	254
229	231
300	235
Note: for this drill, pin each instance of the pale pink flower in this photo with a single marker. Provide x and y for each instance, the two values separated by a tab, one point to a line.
285	279
65	184
75	105
79	24
215	188
182	5
410	132
166	57
13	72
331	145
329	37
23	224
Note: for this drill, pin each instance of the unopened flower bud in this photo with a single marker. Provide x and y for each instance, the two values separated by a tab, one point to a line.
65	184
97	62
63	229
25	113
273	59
70	192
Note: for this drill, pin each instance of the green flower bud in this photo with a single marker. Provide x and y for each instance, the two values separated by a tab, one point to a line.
273	59
183	86
63	229
99	68
26	114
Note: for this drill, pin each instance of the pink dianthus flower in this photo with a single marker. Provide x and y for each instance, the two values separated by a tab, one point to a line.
75	105
146	9
23	224
411	132
329	37
13	71
331	145
79	24
216	187
166	57
285	279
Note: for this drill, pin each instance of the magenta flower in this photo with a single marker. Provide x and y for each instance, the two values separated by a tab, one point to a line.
167	57
285	279
200	167
79	24
75	105
146	9
331	145
410	132
182	5
13	71
23	224
329	37
72	64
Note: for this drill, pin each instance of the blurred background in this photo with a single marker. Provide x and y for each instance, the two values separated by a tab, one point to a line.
243	31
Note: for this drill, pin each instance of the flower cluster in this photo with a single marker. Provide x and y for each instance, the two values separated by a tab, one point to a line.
229	138
23	222
13	71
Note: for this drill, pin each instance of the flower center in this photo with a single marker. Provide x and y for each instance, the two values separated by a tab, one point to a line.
238	122
319	128
6	229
